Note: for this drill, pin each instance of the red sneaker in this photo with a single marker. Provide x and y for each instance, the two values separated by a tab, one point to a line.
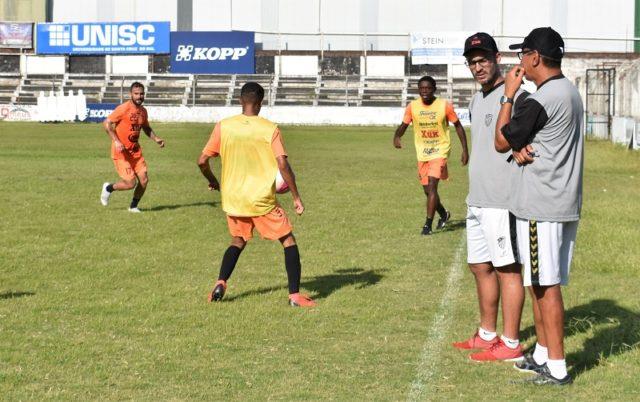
499	351
300	300
475	342
218	291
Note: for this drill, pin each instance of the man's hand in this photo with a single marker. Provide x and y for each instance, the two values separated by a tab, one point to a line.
118	145
299	207
214	185
397	142
464	158
512	81
525	155
159	141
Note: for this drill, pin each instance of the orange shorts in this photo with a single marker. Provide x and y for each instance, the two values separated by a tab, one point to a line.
434	168
272	226
129	168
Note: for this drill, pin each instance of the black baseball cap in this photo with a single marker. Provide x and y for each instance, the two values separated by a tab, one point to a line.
546	41
480	40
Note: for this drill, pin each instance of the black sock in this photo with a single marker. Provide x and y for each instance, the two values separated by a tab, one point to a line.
441	211
294	269
110	188
229	262
134	203
429	222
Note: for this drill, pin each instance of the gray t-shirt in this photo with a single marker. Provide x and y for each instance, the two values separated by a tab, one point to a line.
551	120
489	172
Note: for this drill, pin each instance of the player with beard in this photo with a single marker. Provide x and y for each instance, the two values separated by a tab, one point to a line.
491	242
123	127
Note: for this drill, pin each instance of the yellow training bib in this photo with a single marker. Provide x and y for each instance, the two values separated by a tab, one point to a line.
248	166
430	129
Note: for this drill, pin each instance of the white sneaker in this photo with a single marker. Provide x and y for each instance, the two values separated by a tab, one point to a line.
135	210
104	196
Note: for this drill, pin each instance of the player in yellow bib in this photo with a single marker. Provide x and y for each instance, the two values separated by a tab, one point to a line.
431	117
252	152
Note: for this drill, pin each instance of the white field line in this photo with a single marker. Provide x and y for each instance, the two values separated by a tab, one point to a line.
429	358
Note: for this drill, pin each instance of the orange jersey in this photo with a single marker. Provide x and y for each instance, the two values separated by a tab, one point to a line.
213	145
129	119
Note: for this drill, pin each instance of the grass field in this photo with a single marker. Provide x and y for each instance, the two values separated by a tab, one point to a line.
98	303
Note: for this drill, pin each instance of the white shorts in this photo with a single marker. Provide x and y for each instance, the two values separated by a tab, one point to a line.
545	251
491	236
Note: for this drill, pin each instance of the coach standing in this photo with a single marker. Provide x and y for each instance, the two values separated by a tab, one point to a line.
545	136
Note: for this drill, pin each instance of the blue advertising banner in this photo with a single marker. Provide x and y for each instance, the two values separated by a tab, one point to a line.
97	112
16	34
103	38
213	52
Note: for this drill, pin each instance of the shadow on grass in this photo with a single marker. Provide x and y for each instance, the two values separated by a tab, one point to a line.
177	206
14	295
616	330
454	225
324	285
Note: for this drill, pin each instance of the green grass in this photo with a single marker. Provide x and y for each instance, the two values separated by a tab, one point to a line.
97	303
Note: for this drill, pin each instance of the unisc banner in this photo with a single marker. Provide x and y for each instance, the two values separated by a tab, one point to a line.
103	38
213	52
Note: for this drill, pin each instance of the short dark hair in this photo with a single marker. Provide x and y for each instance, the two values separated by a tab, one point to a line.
252	91
551	63
429	79
136	85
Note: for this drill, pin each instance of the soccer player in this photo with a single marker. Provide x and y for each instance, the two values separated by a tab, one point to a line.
491	248
545	138
252	152
123	126
431	117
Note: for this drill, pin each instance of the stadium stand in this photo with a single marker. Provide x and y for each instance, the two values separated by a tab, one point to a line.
224	90
210	90
8	86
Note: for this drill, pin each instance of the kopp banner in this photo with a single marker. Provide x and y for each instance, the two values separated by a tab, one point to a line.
213	52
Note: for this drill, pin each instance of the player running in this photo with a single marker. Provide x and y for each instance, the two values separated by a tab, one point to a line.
431	117
491	244
123	126
252	152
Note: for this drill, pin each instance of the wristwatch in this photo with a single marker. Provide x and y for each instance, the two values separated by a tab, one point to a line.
504	99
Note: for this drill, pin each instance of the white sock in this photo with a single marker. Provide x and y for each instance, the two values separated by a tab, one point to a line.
486	335
511	343
540	354
558	368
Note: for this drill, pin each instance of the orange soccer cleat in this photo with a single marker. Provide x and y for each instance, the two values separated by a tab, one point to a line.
300	300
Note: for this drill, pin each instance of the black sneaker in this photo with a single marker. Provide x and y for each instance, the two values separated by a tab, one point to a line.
545	378
529	365
442	222
218	291
426	230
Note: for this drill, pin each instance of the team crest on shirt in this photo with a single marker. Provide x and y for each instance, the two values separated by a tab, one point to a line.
487	119
501	242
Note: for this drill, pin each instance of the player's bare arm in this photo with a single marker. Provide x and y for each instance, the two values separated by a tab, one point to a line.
205	169
110	128
462	135
290	178
398	135
152	135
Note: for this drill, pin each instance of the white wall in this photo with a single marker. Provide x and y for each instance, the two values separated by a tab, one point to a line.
128	65
572	18
43	65
297	65
116	10
383	66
